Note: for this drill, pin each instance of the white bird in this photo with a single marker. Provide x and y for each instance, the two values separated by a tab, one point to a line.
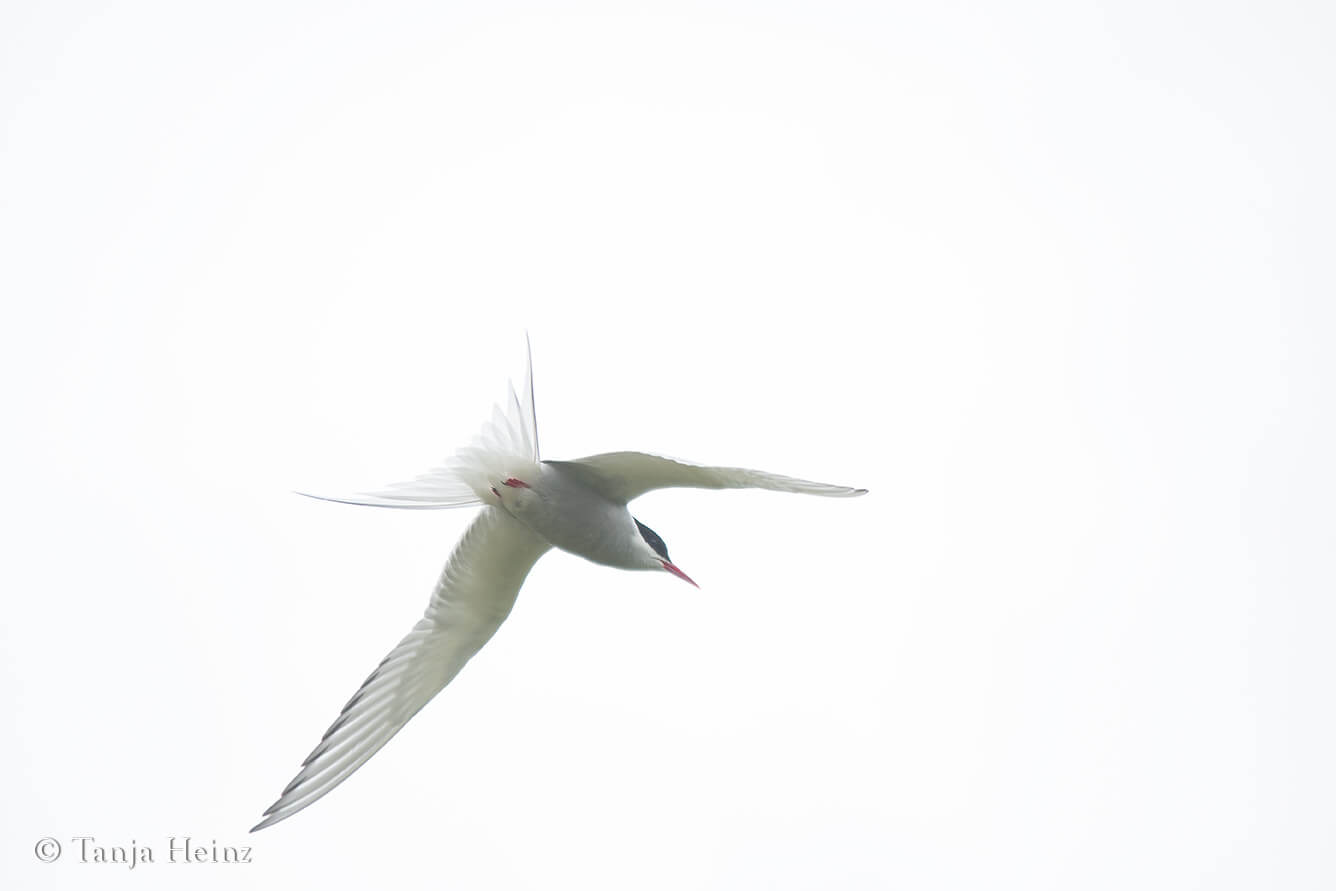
529	506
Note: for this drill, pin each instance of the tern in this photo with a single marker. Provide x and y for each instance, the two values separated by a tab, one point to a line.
529	506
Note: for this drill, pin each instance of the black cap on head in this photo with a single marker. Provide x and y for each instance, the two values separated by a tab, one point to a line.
652	539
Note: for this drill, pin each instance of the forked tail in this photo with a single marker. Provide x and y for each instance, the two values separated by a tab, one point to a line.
461	481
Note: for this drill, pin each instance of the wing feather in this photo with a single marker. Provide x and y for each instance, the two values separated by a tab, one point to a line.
473	597
623	476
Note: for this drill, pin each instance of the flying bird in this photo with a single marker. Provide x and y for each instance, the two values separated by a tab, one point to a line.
529	506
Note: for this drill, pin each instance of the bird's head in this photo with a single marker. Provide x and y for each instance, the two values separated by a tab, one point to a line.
655	553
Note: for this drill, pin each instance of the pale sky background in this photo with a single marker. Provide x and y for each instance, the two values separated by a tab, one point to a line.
1053	280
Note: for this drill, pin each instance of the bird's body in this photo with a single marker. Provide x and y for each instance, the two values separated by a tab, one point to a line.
528	507
604	531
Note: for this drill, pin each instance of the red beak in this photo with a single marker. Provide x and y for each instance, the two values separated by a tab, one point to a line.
677	572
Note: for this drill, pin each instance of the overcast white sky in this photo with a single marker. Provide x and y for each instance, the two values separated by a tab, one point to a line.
1053	280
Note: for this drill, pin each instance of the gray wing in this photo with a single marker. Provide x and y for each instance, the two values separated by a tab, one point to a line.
473	597
623	476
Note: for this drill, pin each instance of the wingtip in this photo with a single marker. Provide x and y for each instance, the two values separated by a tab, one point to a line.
269	818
